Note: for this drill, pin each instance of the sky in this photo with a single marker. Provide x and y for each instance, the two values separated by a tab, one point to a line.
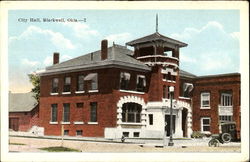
212	37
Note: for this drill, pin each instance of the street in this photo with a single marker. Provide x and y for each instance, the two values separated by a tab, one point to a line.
33	145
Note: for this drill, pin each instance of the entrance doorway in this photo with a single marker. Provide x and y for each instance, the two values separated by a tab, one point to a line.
184	121
14	124
167	127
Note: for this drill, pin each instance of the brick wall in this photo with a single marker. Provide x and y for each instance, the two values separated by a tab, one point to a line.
215	85
26	119
107	97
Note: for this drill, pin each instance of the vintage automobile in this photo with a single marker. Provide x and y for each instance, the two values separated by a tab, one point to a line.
227	134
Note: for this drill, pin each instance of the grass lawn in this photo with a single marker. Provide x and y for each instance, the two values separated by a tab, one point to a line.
59	149
16	144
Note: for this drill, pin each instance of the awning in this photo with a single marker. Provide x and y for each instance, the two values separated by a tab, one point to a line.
126	76
188	86
91	76
144	79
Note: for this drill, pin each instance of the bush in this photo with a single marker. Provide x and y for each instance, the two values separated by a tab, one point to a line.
197	134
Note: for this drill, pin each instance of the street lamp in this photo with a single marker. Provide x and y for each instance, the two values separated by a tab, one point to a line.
171	90
164	109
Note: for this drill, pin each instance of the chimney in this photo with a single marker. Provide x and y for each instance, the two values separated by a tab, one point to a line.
55	58
104	49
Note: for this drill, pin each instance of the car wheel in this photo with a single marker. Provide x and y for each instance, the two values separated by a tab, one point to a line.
213	143
226	137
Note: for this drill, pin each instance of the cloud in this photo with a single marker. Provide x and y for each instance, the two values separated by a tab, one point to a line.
210	49
189	33
27	62
235	35
119	38
48	61
81	30
55	37
187	59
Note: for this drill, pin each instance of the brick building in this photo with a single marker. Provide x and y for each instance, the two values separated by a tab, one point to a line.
216	99
116	91
23	111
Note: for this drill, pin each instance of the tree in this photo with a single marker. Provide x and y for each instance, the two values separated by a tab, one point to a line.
35	81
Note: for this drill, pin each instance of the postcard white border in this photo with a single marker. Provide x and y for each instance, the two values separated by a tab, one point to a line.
244	69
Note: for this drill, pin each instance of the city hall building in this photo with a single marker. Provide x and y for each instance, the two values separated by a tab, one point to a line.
116	91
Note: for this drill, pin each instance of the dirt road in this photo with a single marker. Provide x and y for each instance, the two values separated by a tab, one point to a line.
32	145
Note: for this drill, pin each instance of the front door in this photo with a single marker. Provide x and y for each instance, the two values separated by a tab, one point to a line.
14	123
167	127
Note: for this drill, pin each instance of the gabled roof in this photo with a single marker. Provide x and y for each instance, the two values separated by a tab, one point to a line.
186	74
21	102
154	37
117	55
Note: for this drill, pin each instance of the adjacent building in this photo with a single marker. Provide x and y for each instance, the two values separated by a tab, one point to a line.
23	111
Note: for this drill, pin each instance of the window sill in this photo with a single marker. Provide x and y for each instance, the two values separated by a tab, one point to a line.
65	122
127	91
206	132
54	93
186	98
53	122
125	123
205	108
92	122
170	81
77	92
92	91
66	93
78	122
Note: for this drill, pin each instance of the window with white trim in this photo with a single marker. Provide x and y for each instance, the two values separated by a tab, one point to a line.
226	99
93	112
67	82
66	112
205	124
226	118
54	113
205	100
131	112
55	82
140	83
124	80
80	83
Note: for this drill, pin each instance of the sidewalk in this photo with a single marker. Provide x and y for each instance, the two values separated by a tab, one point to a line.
180	142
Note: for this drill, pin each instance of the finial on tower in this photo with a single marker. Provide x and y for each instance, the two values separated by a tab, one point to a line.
156	23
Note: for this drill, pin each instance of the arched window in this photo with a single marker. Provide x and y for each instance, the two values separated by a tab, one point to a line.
131	113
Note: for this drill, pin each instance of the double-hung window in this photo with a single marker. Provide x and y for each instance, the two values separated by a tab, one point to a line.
205	100
66	112
54	113
55	85
93	112
80	83
141	83
67	82
226	99
124	80
205	124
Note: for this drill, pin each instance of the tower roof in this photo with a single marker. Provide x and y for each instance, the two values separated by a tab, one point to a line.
156	37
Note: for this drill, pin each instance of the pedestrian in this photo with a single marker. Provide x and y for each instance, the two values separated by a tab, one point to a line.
123	139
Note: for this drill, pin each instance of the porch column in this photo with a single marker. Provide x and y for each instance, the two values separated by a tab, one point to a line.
189	123
178	129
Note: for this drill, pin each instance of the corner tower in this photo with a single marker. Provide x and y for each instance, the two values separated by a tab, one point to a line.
162	54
